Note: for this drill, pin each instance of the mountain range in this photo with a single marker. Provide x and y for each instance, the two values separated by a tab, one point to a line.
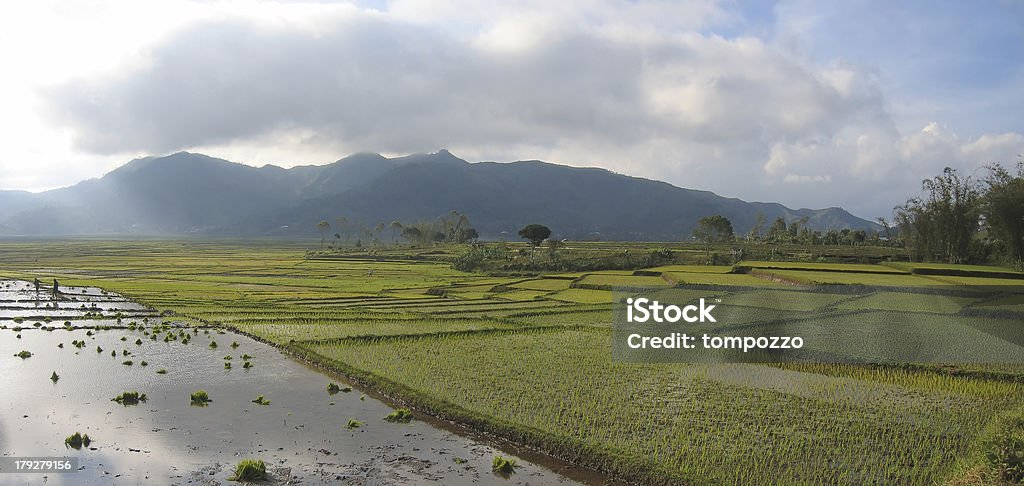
193	194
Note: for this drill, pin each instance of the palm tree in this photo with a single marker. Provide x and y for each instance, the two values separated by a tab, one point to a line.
323	227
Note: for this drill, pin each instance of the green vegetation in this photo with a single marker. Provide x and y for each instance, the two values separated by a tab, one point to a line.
249	470
402	415
503	466
200	398
130	398
23	354
54	377
77	441
261	401
353	424
523	353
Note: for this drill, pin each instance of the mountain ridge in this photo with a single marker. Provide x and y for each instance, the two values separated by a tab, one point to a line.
188	193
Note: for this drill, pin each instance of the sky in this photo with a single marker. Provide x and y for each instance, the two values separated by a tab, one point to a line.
807	103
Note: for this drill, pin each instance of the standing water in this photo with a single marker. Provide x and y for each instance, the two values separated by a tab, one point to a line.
88	346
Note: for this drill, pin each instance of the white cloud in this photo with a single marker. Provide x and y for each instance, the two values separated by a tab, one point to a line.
643	88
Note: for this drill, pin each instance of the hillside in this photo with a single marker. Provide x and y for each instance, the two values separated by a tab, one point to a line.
188	193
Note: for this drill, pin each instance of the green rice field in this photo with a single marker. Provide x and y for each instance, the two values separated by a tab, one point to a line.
527	357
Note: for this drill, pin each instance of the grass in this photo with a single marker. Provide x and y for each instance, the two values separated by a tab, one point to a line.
249	470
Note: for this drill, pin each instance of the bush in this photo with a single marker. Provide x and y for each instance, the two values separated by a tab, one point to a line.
249	470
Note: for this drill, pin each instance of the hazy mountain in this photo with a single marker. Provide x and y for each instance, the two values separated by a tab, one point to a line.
189	193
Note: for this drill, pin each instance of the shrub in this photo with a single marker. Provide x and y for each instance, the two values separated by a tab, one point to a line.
402	415
250	470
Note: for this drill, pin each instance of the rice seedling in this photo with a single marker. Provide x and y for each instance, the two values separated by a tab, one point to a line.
213	344
227	365
200	398
333	388
353	424
247	365
77	441
143	363
246	357
261	401
161	371
234	344
54	377
23	354
60	345
249	470
130	398
127	362
402	415
138	342
503	466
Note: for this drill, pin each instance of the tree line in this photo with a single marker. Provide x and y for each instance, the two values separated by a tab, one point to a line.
453	227
956	219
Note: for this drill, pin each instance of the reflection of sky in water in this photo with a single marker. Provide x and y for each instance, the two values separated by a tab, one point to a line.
299	430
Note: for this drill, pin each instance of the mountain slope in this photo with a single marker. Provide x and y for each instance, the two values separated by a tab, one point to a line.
195	194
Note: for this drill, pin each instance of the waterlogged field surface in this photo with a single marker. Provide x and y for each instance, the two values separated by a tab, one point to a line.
302	433
529	359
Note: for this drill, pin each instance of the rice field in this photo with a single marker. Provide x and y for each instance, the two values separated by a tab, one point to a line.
527	358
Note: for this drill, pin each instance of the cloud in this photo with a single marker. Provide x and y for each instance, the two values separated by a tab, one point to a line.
643	88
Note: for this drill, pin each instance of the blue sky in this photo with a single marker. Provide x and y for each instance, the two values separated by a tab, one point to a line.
807	103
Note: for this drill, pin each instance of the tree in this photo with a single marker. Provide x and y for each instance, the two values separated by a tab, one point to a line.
940	225
396	227
778	231
755	231
343	227
713	230
412	233
535	233
323	227
1004	210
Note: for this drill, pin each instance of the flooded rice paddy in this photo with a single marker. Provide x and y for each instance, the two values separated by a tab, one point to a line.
88	346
